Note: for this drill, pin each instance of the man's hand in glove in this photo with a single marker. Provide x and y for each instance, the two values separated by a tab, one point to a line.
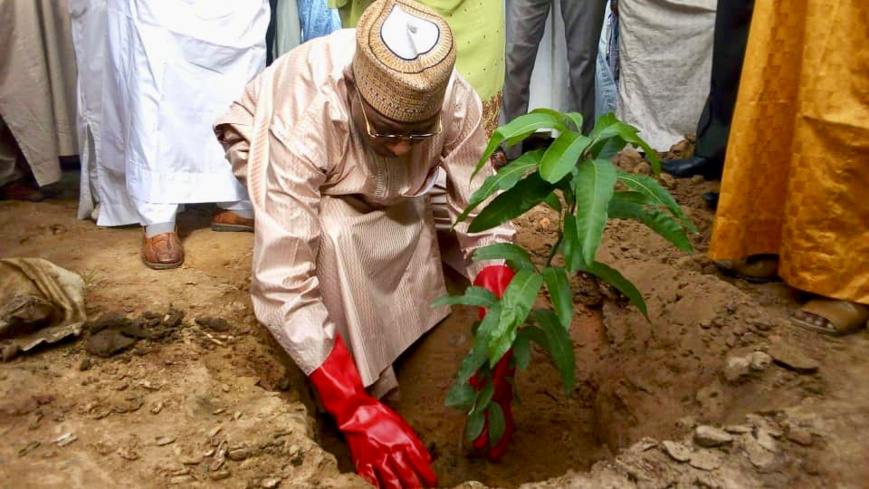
385	449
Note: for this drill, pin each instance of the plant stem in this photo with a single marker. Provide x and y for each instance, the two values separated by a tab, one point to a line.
554	249
565	215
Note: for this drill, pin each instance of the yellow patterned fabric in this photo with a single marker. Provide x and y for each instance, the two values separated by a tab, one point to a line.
478	28
796	178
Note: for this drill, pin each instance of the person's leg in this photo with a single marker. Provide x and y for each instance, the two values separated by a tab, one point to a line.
583	20
732	22
527	20
15	181
271	32
243	208
156	216
9	170
161	248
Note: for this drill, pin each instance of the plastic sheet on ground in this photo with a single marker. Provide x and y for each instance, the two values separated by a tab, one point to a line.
40	302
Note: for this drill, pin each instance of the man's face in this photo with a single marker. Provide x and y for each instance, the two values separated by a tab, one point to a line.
389	138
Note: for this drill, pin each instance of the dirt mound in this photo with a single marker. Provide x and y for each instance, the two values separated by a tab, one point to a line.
215	402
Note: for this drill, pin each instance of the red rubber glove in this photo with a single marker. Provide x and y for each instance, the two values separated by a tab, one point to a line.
495	279
385	449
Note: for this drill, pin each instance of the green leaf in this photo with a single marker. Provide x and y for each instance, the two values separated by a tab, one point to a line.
607	148
520	294
536	335
521	198
617	280
577	120
560	346
570	246
516	256
497	423
630	196
650	153
476	358
562	155
522	349
461	396
552	201
594	189
657	221
516	130
656	194
474	296
505	179
484	396
566	187
475	425
560	293
512	381
608	127
500	345
470	364
553	113
601	124
517	302
619	129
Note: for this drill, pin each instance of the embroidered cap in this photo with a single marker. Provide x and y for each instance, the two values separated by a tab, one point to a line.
405	56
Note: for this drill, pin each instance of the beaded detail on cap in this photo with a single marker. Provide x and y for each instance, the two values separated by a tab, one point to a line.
407	82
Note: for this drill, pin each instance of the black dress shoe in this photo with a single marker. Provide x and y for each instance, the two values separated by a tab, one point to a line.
711	199
690	167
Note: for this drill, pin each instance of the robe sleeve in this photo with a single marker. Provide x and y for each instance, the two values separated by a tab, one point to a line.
234	129
285	289
462	151
285	192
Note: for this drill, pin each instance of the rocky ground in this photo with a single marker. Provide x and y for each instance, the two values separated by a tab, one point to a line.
175	383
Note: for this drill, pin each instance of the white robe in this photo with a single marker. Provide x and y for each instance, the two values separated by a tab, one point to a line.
665	52
88	19
170	68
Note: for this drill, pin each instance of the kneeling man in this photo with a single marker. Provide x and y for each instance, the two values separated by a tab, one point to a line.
342	143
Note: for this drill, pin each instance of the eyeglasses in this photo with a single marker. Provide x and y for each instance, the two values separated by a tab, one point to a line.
414	136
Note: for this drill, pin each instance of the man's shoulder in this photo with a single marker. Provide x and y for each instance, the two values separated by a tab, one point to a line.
321	58
310	76
461	96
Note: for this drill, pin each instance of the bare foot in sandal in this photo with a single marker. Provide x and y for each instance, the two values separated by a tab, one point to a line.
832	317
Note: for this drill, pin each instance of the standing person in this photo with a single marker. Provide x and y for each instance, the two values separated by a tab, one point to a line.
340	149
793	194
732	21
37	96
316	19
583	20
170	69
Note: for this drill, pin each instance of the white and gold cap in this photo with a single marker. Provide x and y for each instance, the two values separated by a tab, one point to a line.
405	56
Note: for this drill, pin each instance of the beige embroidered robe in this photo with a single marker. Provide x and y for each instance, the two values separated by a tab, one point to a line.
345	239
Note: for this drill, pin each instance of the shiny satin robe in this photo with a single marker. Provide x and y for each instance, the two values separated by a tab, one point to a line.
345	239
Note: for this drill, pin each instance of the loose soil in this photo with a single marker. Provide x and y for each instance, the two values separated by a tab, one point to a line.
211	400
